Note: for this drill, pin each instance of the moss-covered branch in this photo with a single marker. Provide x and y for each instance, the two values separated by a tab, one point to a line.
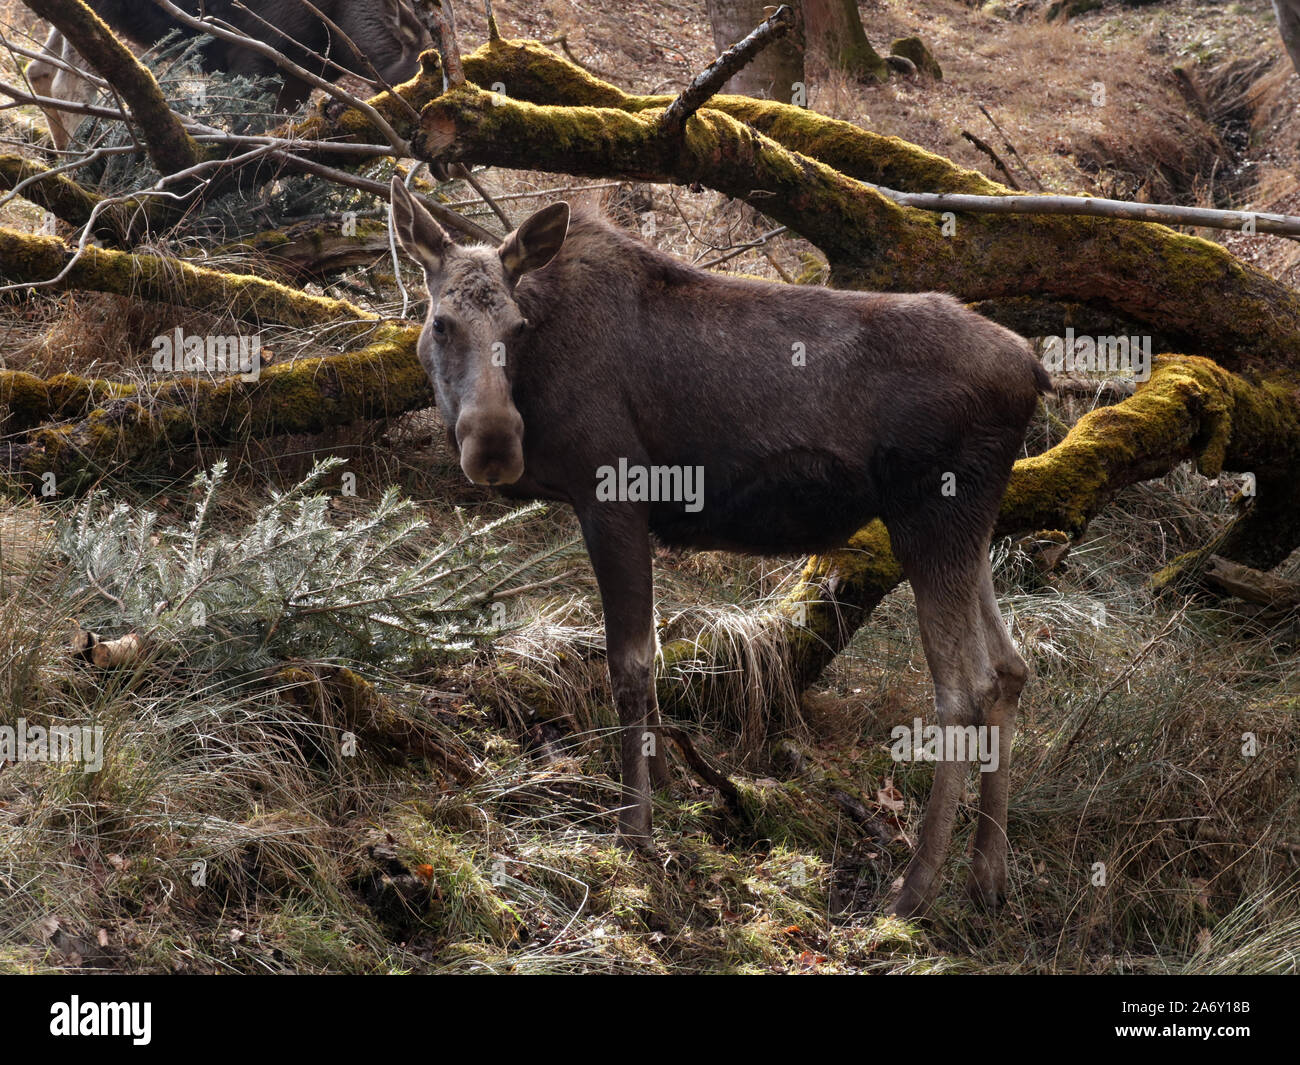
133	426
28	259
119	222
813	173
1188	288
56	193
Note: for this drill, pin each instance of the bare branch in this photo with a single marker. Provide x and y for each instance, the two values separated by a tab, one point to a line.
53	103
440	20
717	73
739	249
443	214
1011	147
1168	214
987	149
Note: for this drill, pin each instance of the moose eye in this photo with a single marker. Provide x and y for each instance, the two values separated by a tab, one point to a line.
521	327
440	327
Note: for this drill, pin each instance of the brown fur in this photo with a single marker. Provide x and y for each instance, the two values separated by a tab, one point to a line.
810	411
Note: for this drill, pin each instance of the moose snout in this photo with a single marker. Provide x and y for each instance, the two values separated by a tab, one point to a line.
491	446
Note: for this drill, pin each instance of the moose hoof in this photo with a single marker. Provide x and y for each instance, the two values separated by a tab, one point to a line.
637	843
909	905
913	898
986	887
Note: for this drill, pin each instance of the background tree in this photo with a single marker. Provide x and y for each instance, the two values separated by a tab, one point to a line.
1288	22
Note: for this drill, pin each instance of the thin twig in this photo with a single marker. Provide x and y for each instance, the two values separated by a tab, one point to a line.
392	243
1011	147
739	249
563	41
377	79
702	768
54	60
997	159
53	103
477	186
439	211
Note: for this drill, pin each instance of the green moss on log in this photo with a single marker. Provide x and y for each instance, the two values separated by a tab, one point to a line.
29	259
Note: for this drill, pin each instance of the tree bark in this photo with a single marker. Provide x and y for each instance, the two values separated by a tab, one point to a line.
28	259
123	426
776	73
834	29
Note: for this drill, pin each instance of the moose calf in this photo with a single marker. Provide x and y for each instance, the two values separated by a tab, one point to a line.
575	349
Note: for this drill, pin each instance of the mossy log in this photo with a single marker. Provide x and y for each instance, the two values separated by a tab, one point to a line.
814	174
127	426
58	194
1188	288
121	223
29	259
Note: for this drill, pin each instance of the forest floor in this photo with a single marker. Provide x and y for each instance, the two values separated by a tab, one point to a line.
1143	839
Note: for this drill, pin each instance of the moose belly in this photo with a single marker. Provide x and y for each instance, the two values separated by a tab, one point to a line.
794	505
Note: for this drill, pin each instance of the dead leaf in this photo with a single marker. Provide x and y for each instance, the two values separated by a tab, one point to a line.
890	797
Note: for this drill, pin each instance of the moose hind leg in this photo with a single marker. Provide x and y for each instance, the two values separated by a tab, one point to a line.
988	874
948	610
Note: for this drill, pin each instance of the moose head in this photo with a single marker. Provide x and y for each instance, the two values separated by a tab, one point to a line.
475	328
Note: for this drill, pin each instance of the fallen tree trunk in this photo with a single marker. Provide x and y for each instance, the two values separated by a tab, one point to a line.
1190	289
133	427
36	260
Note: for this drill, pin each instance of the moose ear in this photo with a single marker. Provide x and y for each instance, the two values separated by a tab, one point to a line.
419	235
534	244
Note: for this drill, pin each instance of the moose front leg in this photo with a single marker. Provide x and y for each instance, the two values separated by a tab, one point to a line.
618	541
